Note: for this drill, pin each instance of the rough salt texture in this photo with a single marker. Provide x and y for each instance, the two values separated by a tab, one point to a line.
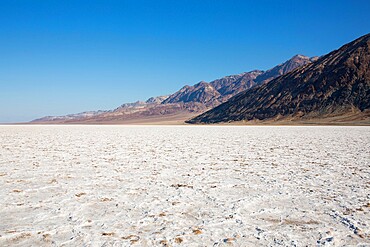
184	186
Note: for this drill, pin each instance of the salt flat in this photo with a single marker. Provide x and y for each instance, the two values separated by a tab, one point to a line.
184	186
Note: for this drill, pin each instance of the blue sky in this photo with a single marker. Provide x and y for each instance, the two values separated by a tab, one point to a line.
59	57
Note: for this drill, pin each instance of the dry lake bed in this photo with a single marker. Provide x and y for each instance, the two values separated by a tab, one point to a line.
184	186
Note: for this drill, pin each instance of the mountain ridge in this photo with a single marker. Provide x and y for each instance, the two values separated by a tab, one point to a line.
336	84
189	100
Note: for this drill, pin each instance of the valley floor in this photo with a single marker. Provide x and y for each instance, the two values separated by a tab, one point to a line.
106	185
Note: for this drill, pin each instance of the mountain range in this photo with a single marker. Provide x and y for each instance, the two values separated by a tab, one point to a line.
188	102
333	89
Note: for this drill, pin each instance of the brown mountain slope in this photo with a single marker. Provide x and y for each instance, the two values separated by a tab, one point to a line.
188	102
337	84
230	85
220	90
282	69
201	92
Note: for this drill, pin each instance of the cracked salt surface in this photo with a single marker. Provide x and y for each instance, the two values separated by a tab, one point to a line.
184	186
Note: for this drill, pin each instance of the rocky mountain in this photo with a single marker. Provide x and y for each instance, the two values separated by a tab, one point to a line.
282	69
131	105
188	101
201	92
151	100
157	100
231	85
127	109
220	90
335	86
81	115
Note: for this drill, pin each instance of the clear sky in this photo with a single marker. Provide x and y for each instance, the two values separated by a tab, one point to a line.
59	57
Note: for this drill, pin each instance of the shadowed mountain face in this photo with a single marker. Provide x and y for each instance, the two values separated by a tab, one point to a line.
282	69
220	90
201	92
231	85
337	84
188	101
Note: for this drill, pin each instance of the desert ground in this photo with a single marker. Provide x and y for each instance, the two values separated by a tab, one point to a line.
90	185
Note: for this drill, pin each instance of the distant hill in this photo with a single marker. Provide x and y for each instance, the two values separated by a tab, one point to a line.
188	102
81	115
335	87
